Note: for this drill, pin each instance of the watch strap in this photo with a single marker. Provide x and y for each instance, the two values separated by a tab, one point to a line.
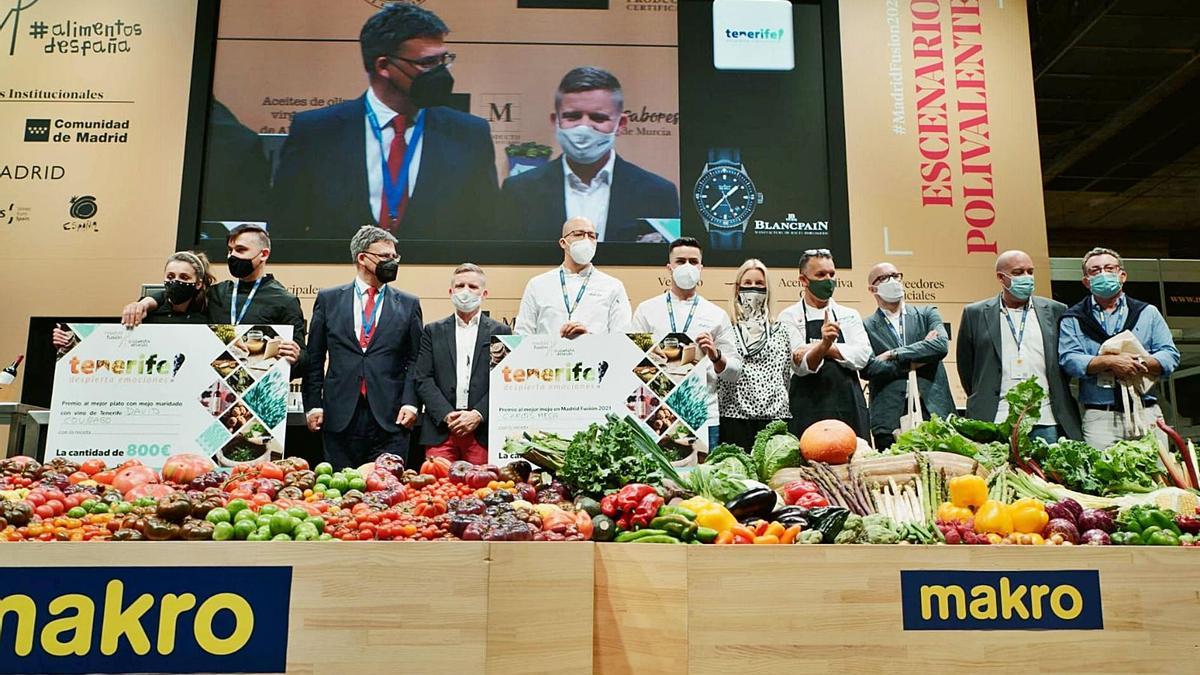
724	156
725	240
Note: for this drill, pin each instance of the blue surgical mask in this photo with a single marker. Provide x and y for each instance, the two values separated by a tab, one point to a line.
1021	287
1105	285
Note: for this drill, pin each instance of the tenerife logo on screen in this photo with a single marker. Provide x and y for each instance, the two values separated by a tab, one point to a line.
753	35
767	34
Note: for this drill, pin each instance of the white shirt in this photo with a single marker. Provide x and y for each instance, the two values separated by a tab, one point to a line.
652	317
375	162
360	296
604	307
465	335
895	320
856	350
590	200
1033	351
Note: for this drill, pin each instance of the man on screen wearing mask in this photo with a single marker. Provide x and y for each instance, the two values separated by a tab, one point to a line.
590	179
825	382
253	297
903	338
453	369
574	298
1106	312
396	155
366	402
1009	338
682	310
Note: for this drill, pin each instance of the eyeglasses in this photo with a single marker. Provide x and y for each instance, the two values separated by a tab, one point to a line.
818	251
898	276
383	256
581	233
443	59
1112	269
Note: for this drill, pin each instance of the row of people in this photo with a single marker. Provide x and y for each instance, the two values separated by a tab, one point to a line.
385	365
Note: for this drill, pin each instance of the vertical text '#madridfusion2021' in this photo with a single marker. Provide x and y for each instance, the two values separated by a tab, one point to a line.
935	128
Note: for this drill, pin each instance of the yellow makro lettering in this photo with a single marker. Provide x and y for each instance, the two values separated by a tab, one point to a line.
172	606
82	623
1036	594
25	611
983	602
1012	599
1056	605
243	624
127	622
944	594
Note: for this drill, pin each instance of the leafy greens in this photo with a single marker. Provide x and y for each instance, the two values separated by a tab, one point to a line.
774	449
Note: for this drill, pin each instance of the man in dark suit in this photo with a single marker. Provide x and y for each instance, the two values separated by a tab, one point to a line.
366	402
1010	338
395	155
903	338
453	369
589	179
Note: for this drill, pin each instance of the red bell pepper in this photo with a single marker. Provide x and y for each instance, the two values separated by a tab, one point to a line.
793	491
647	509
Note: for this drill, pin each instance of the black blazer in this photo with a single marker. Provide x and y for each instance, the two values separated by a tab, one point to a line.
533	205
437	376
386	364
320	188
980	368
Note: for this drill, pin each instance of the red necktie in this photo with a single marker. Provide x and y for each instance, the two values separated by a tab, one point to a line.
365	338
395	161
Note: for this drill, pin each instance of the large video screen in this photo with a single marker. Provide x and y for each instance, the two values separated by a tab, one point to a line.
652	118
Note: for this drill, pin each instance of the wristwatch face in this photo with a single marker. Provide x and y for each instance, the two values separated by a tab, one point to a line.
725	197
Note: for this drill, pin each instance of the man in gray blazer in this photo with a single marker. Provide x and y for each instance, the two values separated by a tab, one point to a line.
903	338
1009	338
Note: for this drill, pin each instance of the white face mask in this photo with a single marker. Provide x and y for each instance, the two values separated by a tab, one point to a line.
584	144
582	251
466	300
891	290
686	276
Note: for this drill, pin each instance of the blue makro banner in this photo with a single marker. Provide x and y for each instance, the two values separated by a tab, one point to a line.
144	619
1028	600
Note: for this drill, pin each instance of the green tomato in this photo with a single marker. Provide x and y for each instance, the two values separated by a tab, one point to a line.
236	506
339	483
282	523
333	493
358	484
297	512
223	531
317	522
307	531
320	488
323	469
100	507
264	531
245	514
77	512
145	501
268	509
219	515
305	536
123	508
89	504
324	480
243	528
351	473
263	521
325	536
255	536
282	536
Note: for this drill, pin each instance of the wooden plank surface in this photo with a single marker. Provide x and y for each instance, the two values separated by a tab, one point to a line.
641	609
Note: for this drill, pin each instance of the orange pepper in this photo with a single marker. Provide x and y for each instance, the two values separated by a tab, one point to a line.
725	537
790	534
775	529
766	539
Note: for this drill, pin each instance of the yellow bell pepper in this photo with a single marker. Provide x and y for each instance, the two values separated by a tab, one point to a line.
969	490
710	514
953	514
993	517
1028	516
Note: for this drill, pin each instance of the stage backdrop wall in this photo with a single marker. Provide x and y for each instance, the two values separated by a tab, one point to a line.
941	156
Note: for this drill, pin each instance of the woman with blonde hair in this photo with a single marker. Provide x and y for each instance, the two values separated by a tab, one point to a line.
760	395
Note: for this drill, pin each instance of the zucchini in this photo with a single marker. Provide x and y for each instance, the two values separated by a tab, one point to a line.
585	503
603	528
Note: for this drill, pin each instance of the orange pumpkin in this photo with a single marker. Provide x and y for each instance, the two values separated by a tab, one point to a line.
185	466
829	441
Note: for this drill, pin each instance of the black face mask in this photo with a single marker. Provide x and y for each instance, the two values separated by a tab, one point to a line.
432	87
240	268
386	270
179	291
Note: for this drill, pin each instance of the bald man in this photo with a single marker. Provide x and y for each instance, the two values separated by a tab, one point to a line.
1010	338
903	338
574	298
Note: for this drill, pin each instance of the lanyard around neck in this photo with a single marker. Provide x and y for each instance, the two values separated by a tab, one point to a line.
1019	338
395	190
562	281
369	325
671	313
235	317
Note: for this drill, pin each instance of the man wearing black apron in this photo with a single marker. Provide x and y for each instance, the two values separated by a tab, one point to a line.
825	383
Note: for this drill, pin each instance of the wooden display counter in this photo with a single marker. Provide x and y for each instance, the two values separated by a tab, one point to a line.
369	607
841	609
